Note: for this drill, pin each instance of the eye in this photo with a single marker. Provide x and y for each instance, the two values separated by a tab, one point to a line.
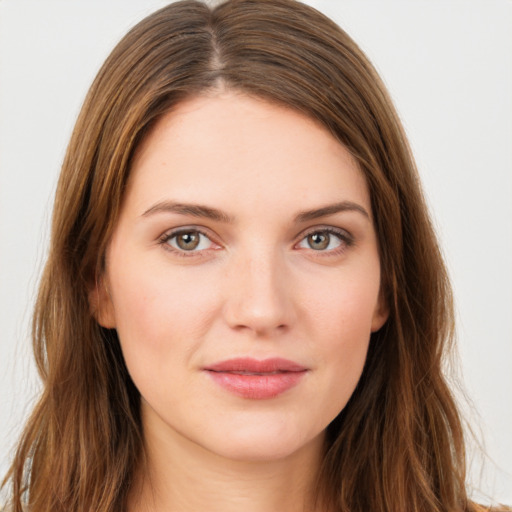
189	240
325	240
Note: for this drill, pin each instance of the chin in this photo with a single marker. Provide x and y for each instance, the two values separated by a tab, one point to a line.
263	443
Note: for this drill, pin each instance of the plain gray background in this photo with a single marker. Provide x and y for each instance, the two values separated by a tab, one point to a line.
448	65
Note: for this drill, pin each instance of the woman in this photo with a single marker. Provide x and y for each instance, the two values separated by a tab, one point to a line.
244	303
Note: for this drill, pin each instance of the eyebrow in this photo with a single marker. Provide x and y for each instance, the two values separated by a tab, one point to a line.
331	209
198	210
195	210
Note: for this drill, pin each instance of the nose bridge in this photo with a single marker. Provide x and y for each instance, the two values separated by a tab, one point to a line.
258	297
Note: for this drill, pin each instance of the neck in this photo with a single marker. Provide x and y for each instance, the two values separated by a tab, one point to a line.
180	475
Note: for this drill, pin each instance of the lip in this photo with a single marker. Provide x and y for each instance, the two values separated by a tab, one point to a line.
256	379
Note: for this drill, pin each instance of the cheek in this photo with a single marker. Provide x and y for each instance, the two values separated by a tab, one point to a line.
346	306
341	319
159	315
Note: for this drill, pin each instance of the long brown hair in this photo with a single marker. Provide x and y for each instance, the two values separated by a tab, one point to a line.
398	444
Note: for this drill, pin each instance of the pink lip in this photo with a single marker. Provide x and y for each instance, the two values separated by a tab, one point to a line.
251	378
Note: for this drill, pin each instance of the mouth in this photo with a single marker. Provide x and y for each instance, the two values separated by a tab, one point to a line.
256	379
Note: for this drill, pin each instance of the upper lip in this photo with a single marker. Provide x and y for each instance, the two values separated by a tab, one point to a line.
248	364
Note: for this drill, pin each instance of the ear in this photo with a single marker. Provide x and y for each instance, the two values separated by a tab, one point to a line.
381	313
101	305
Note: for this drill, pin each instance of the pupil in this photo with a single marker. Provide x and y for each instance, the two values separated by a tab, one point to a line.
188	241
318	240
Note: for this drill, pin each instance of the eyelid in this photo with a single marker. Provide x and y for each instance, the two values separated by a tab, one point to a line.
171	233
343	233
345	236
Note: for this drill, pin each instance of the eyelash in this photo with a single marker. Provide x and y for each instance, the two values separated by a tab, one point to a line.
345	238
166	237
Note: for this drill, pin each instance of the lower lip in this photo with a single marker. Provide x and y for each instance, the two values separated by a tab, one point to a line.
257	387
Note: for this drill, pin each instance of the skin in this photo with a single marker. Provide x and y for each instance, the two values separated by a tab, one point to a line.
255	286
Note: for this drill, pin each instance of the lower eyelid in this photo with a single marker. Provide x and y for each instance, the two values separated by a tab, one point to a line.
346	240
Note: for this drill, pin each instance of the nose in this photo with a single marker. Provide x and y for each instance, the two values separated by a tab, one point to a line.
259	295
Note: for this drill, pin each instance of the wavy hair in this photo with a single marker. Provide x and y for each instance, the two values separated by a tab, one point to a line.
398	444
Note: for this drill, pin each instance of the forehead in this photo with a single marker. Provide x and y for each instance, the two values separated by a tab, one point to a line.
230	148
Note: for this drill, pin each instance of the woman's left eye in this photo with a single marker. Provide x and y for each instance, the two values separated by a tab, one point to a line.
190	240
324	240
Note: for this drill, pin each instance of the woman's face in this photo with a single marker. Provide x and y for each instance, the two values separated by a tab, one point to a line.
242	277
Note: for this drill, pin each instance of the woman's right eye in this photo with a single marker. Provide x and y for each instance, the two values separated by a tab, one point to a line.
187	241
